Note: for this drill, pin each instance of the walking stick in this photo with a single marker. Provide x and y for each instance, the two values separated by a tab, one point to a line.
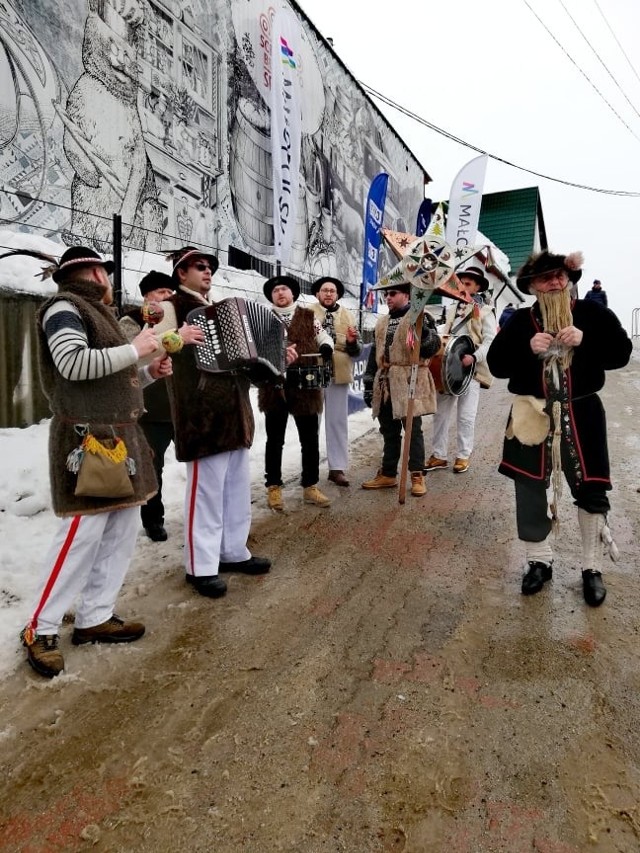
406	439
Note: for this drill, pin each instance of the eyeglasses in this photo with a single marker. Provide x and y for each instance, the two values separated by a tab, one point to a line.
328	290
202	266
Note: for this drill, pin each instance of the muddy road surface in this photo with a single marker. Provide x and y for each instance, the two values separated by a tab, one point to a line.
385	688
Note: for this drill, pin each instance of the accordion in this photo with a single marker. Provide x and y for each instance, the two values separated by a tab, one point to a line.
241	336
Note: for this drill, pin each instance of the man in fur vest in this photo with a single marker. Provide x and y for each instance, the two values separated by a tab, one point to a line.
338	322
479	322
386	384
213	423
156	423
304	404
554	355
90	376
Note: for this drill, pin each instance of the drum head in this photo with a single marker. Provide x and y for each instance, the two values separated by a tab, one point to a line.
455	377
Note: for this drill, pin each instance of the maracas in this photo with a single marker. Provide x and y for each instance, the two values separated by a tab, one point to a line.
172	342
152	313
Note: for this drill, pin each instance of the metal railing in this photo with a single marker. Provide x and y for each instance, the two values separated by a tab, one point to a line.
635	323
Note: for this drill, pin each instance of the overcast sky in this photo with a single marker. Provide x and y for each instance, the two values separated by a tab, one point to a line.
491	74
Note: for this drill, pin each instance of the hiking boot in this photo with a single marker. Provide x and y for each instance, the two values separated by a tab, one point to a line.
114	630
338	478
274	498
536	576
593	588
44	656
418	487
313	495
433	463
460	466
381	481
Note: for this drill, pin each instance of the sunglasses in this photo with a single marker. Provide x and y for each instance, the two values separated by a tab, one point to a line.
202	266
391	293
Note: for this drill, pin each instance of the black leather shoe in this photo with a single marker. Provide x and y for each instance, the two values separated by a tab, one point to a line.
156	533
593	588
252	566
209	585
536	576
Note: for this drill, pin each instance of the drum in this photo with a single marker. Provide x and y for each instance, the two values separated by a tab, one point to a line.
310	376
449	374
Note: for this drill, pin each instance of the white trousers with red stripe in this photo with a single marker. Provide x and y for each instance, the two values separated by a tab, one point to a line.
89	558
217	512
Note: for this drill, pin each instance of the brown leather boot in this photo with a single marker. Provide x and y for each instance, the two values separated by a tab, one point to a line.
338	478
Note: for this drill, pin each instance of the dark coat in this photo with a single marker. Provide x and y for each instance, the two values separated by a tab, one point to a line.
298	401
108	405
156	395
605	346
211	412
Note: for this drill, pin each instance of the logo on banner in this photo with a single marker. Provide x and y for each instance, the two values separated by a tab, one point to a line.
287	53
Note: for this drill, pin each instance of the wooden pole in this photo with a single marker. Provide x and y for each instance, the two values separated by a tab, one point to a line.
406	439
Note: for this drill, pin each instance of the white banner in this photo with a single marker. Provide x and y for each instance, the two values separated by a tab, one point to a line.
286	128
465	199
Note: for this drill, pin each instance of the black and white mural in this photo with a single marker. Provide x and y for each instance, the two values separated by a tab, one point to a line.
155	110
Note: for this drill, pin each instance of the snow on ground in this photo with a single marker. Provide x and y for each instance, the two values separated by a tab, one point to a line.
27	523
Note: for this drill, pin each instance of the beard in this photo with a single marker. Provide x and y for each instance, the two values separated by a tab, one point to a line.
555	308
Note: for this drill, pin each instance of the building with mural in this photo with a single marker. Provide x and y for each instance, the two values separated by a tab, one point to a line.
158	111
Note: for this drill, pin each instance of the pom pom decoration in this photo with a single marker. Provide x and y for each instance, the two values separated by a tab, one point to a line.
574	261
172	342
152	313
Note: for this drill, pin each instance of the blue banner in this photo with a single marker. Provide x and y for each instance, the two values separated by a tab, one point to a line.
355	399
424	217
373	223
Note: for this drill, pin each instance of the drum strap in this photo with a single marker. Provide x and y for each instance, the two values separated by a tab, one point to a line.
461	324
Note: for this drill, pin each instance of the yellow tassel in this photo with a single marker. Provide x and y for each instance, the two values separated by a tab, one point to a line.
117	454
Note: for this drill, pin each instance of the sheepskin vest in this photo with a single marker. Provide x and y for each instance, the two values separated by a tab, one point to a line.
396	374
342	363
298	401
109	406
473	328
211	411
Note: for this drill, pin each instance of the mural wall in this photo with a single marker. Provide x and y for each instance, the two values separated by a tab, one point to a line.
152	109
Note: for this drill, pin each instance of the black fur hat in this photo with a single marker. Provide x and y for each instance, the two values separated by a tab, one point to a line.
317	284
545	261
154	281
287	280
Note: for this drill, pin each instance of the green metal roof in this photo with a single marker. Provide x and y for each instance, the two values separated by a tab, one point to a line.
513	221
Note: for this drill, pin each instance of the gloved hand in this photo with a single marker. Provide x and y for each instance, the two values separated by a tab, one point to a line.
327	353
368	397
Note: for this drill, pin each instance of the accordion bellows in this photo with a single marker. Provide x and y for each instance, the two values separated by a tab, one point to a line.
241	336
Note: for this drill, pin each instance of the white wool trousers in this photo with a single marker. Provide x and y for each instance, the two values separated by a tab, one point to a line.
88	558
336	426
466	406
217	512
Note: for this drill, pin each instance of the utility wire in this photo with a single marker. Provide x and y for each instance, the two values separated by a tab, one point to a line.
572	60
598	57
622	51
453	138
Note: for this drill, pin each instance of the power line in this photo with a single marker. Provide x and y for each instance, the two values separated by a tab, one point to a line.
631	66
586	77
598	57
453	138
